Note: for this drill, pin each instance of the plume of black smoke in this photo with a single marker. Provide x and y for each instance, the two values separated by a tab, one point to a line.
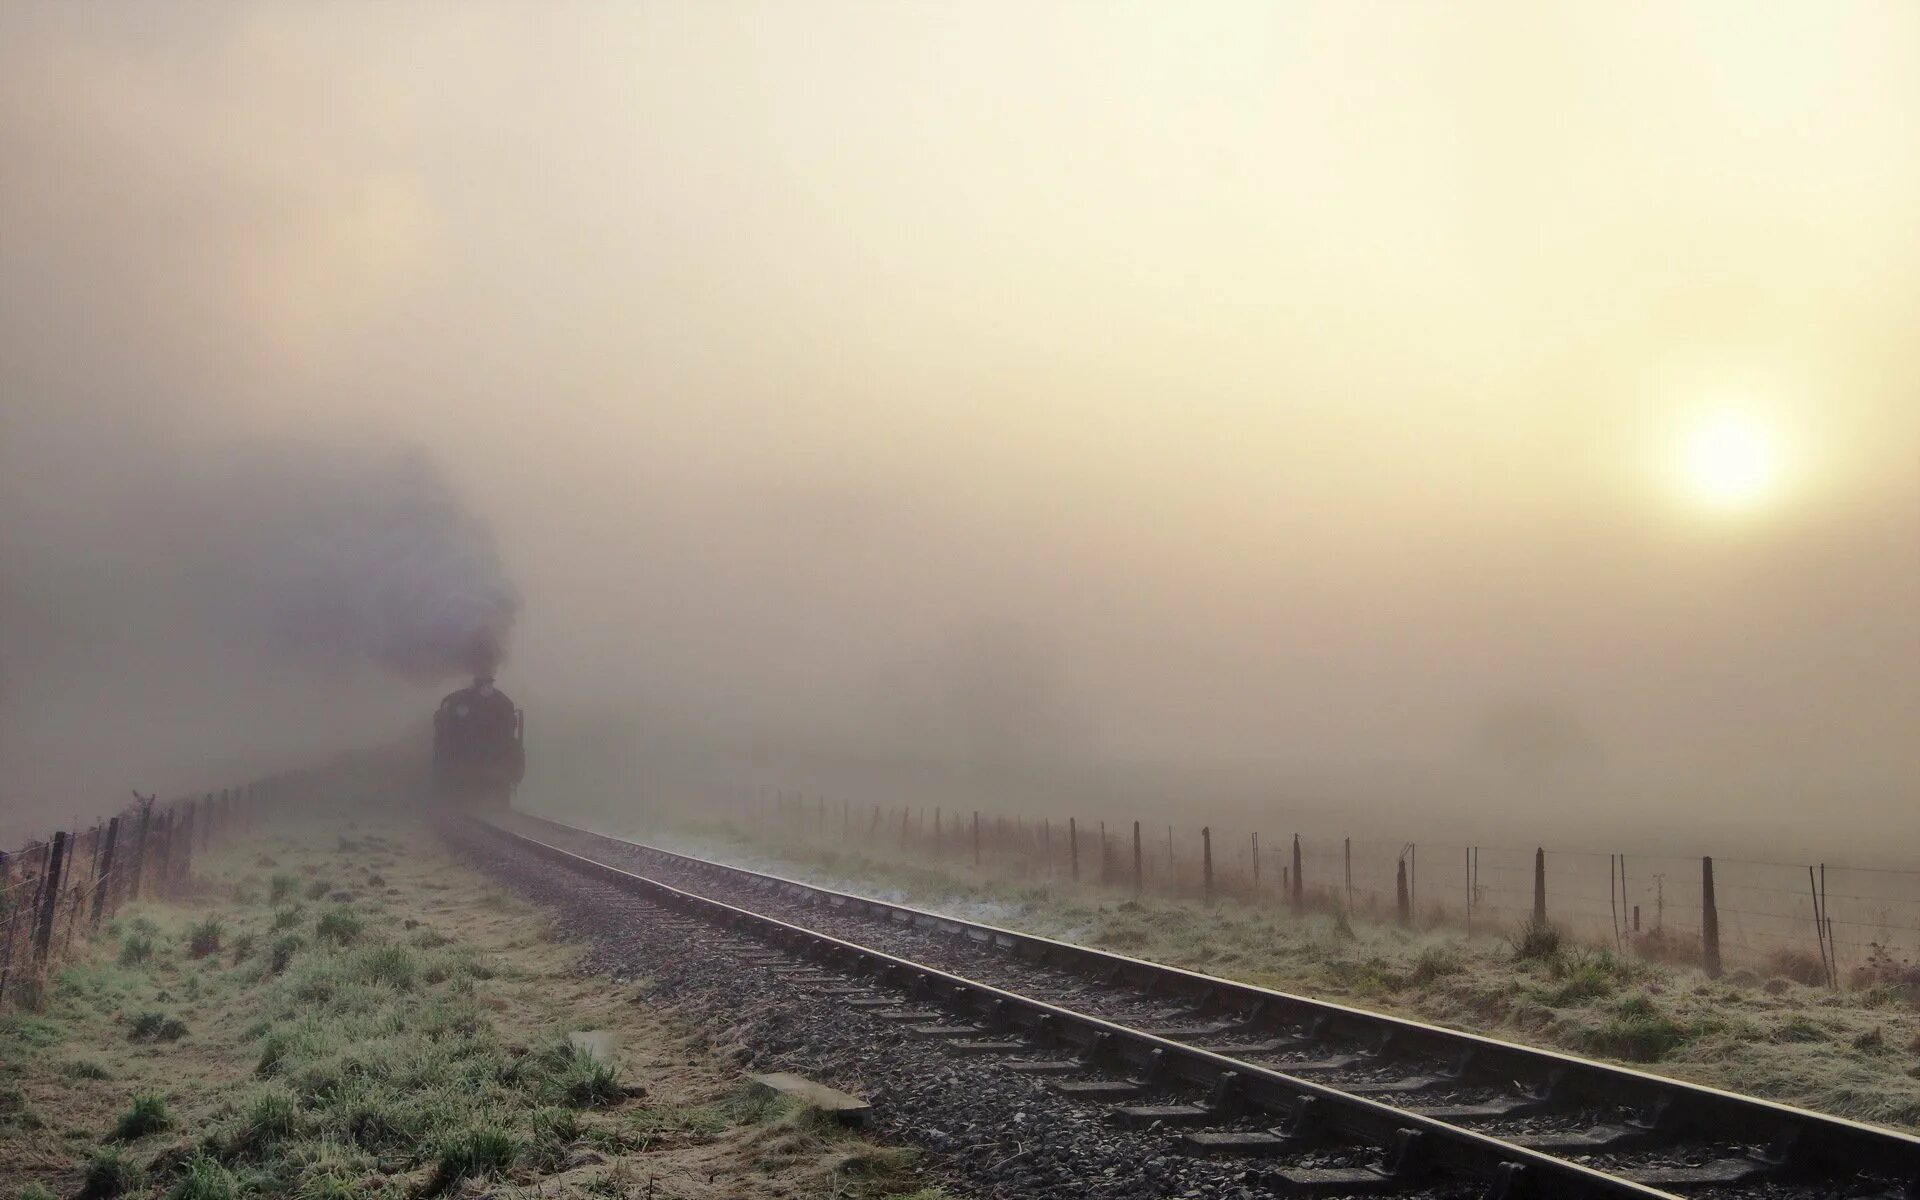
375	558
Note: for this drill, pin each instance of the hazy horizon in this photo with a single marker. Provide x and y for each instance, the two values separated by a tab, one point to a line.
1495	409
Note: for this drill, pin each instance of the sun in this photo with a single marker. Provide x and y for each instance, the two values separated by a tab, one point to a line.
1730	461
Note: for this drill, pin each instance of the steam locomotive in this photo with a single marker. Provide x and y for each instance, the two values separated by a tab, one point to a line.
479	747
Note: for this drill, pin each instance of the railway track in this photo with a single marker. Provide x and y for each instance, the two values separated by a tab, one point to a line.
1322	1098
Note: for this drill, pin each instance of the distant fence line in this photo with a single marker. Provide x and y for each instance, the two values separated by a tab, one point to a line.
60	889
1815	922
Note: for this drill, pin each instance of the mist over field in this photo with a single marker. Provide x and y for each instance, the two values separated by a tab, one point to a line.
1433	422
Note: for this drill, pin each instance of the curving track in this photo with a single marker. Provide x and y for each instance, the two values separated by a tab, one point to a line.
1327	1099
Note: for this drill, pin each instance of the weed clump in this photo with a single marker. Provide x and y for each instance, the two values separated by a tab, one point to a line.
287	918
204	939
1436	962
148	1114
272	1117
473	1153
284	948
137	949
204	1178
318	889
580	1080
153	1026
1637	1031
391	965
337	925
111	1172
1535	940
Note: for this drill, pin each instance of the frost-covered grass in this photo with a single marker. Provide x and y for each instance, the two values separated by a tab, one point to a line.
408	1040
1855	1053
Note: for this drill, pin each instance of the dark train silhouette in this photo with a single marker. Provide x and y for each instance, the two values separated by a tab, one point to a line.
479	746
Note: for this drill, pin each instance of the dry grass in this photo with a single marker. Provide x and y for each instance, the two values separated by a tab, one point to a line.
408	1045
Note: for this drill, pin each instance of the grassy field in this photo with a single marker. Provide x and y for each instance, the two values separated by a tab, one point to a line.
1855	1052
345	1012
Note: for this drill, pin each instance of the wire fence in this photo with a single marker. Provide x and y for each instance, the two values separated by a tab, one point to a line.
58	890
1817	923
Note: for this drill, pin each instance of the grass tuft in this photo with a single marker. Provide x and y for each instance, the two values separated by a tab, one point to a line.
1535	940
337	925
111	1171
153	1026
204	1178
137	949
148	1114
472	1153
204	938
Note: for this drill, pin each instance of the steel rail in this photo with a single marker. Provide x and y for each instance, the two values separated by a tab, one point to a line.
1416	1147
1811	1142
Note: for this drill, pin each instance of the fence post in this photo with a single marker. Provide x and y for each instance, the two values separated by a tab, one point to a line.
50	895
1709	921
1298	885
183	864
103	876
1254	840
1136	858
1073	848
1403	903
139	857
1206	862
1539	885
1348	853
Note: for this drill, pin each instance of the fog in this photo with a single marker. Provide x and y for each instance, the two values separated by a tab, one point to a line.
1221	410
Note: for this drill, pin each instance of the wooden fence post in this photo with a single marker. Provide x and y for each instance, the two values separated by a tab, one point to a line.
1709	922
183	863
1539	885
1136	858
1298	884
1073	848
1348	853
50	895
1206	862
103	876
1254	840
1403	903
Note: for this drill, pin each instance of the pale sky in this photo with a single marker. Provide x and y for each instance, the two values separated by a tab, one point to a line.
1286	383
